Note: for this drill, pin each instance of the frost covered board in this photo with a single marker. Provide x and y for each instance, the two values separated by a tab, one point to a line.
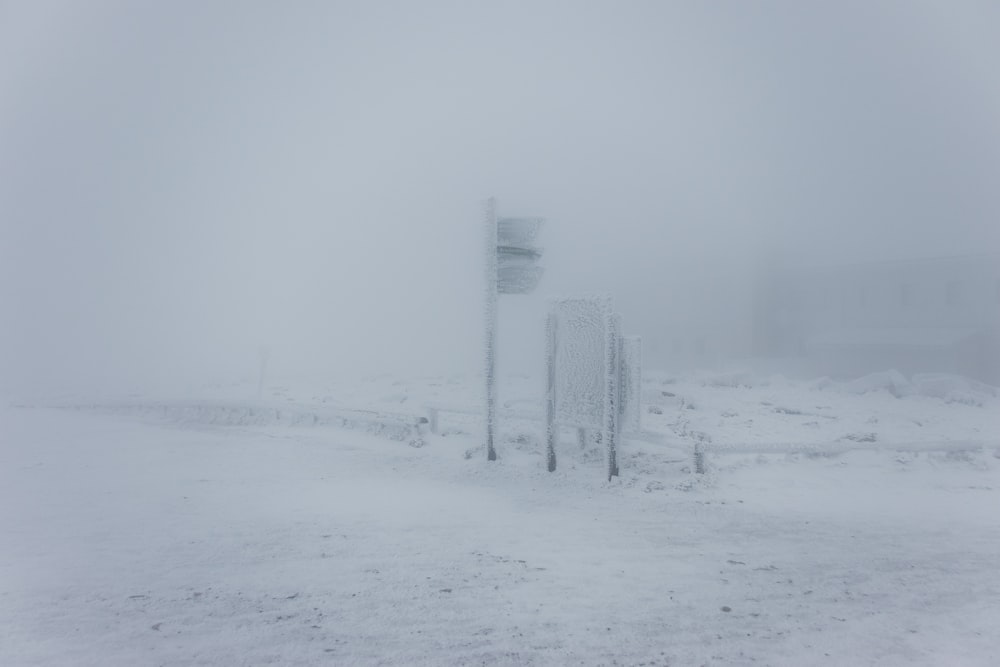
631	383
517	256
581	327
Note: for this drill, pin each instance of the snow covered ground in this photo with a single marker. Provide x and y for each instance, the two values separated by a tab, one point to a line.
230	530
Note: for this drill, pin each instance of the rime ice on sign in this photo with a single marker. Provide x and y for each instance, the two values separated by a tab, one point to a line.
594	374
581	341
517	256
631	383
518	280
520	232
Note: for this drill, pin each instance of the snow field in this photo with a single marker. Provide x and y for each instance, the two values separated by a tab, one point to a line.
131	541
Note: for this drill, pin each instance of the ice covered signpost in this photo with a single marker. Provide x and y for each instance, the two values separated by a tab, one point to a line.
594	374
511	268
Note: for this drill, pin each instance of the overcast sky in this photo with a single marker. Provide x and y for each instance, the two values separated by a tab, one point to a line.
182	182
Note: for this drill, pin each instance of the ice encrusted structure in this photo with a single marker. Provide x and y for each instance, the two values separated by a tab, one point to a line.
510	263
584	353
581	342
517	255
631	379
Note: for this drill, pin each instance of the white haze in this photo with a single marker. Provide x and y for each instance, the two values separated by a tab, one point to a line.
183	182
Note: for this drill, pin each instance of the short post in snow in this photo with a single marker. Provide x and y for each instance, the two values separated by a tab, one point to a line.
699	458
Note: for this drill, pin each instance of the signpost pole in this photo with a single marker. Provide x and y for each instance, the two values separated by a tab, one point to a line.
612	376
491	324
511	268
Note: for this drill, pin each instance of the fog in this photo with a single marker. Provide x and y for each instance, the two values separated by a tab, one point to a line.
182	183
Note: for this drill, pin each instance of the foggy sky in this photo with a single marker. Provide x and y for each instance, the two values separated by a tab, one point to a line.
183	182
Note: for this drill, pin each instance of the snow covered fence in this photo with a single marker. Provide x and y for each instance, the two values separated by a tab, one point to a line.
700	450
434	412
841	447
394	426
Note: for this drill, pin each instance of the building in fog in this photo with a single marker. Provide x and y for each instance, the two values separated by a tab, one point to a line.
926	315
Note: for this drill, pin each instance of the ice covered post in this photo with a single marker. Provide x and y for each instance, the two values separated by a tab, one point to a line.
551	429
612	391
583	359
491	325
511	268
